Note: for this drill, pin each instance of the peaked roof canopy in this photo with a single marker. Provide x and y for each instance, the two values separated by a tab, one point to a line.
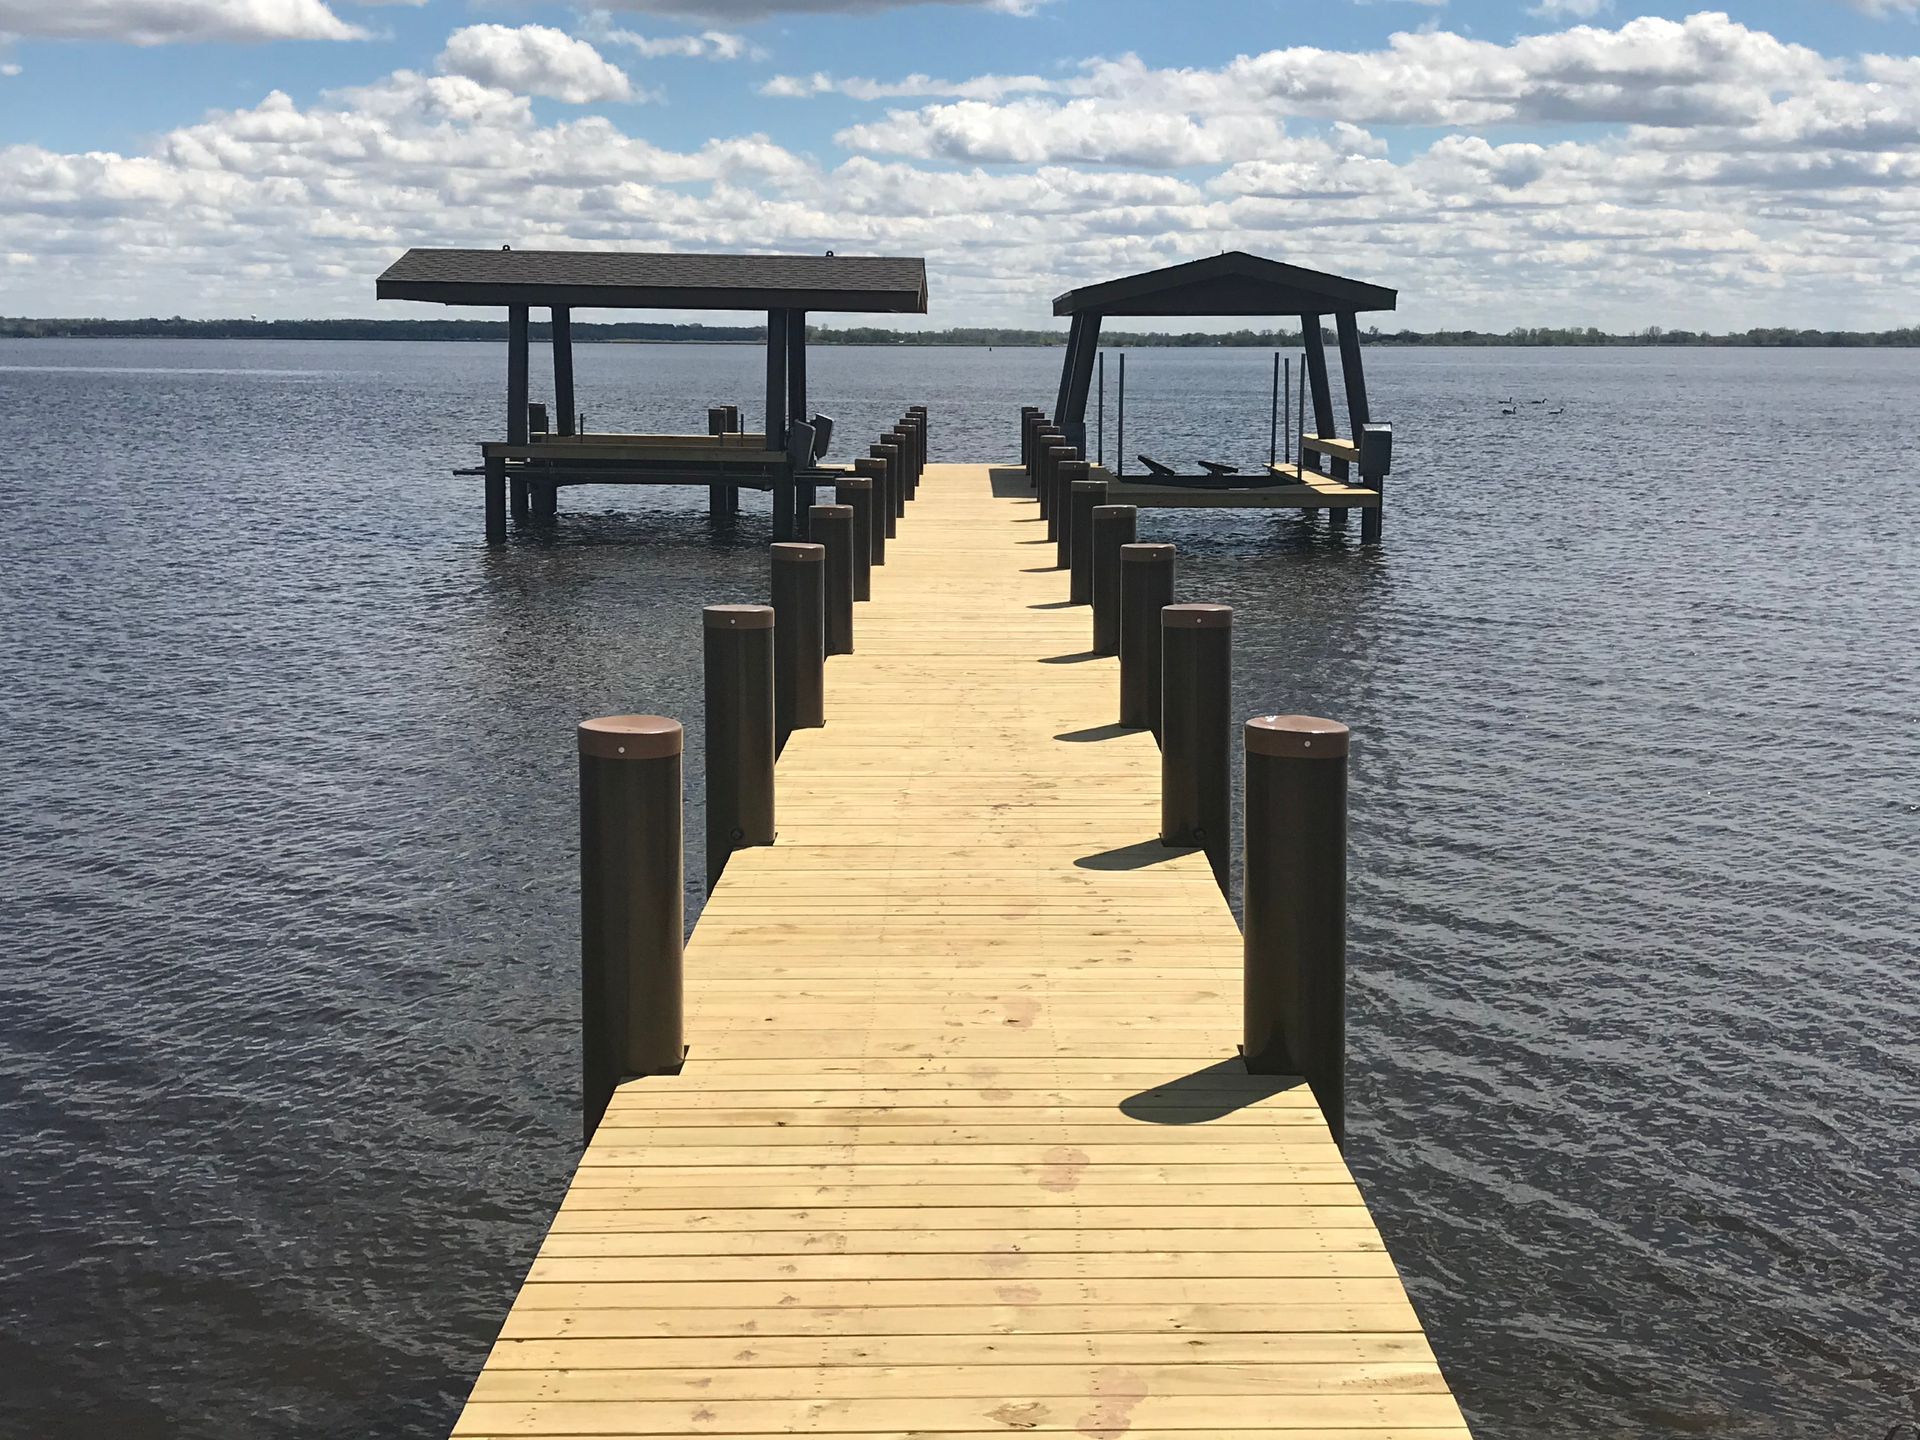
633	280
1235	283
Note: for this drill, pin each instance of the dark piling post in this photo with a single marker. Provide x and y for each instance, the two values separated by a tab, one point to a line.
496	498
1027	412
920	414
723	501
632	905
740	748
1196	689
856	493
1146	588
901	438
1066	475
917	428
832	530
1113	526
799	639
563	369
875	471
895	502
1053	454
1296	905
1046	439
1084	497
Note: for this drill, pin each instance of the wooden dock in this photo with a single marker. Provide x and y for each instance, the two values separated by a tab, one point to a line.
962	1146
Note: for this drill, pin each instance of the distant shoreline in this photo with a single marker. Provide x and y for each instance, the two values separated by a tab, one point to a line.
647	333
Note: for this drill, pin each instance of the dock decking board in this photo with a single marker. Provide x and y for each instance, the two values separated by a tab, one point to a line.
962	1147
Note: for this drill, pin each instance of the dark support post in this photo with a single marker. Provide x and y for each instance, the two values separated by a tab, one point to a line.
517	489
776	426
1353	377
1076	332
1299	455
919	413
799	639
875	538
546	498
917	431
1084	497
1273	419
1146	588
1323	421
1027	412
1120	421
496	494
1073	415
1066	475
797	365
1113	526
856	493
1100	414
832	530
563	369
632	905
1045	440
896	499
723	501
1296	905
516	374
901	438
1196	773
740	749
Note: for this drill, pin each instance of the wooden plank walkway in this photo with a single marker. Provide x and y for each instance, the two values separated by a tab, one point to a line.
962	1147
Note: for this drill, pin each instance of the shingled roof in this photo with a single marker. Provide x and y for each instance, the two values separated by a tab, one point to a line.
634	280
1235	283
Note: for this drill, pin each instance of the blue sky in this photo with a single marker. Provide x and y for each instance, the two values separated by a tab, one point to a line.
1554	162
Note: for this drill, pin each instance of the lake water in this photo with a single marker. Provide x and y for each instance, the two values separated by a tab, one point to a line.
288	989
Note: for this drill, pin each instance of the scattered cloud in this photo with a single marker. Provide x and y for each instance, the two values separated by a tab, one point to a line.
746	11
1570	9
1884	9
1700	172
162	22
707	45
534	60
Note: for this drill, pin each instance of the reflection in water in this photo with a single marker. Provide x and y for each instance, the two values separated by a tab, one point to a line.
288	1014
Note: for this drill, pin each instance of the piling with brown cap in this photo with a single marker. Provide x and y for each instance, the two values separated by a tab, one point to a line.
1113	526
1146	588
1196	700
799	585
1084	496
832	530
740	730
856	492
1296	905
632	904
895	501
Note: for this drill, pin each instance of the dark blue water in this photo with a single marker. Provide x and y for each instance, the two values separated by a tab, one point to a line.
287	992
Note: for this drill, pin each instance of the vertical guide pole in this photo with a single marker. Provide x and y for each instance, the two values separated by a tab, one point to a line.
799	639
1100	440
739	695
1296	905
1113	526
1196	776
563	369
1146	588
1120	422
517	426
720	498
1288	387
632	905
1273	420
832	528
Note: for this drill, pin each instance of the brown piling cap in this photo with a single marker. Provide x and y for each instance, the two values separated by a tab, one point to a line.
830	512
884	452
873	464
799	550
631	737
1114	512
1297	736
738	617
854	482
1089	487
1196	617
1154	554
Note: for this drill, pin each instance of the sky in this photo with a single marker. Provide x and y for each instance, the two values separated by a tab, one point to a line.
1499	162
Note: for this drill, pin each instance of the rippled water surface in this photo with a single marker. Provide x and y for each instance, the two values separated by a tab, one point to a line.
287	993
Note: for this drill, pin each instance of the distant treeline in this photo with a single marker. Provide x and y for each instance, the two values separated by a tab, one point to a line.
640	332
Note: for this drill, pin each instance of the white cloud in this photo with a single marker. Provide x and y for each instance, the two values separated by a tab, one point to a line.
743	11
1882	9
916	86
534	60
1570	9
1750	182
160	22
707	45
9	70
